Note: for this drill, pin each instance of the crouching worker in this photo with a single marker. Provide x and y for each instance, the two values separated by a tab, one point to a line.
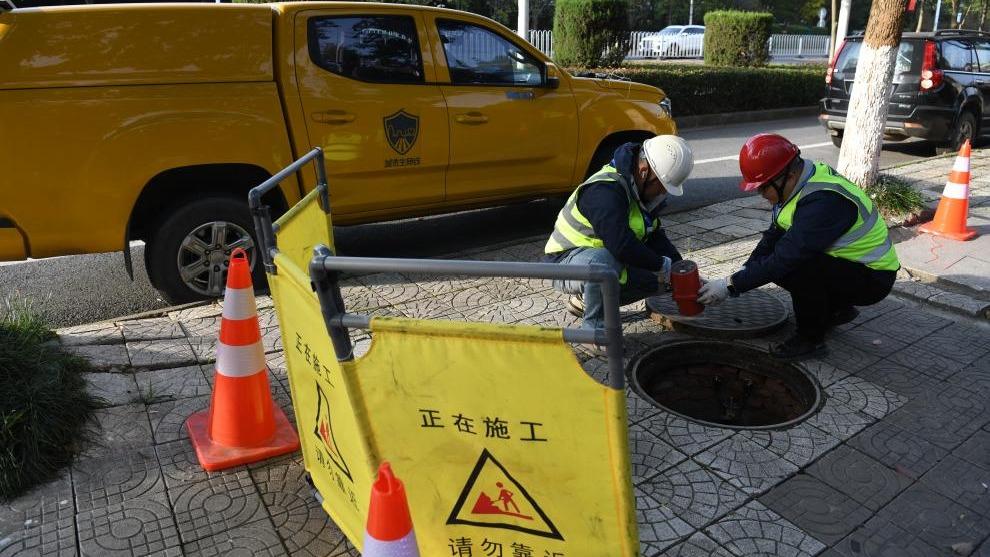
827	244
611	219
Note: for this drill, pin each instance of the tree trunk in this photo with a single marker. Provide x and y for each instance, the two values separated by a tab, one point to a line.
921	15
859	157
834	14
983	13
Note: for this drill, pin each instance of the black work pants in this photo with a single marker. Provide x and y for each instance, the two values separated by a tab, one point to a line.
825	284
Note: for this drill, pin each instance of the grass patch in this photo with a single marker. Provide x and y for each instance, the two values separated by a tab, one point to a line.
45	410
895	197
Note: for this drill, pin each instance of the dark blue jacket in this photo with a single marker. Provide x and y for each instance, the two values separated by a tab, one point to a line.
607	208
820	218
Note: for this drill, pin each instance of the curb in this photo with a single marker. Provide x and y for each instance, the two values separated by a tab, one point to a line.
705	120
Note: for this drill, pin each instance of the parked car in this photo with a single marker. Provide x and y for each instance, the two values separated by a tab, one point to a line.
674	41
940	83
152	121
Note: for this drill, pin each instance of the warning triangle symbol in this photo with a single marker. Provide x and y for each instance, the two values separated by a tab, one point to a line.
492	498
324	432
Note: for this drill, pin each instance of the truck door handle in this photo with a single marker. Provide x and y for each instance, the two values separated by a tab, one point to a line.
333	117
520	95
471	118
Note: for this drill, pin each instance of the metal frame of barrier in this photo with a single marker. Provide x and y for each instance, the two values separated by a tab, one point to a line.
325	266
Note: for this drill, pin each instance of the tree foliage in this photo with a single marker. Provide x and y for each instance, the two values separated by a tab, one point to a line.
591	33
735	38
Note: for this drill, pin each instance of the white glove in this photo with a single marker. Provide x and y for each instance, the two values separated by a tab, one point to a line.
713	292
664	277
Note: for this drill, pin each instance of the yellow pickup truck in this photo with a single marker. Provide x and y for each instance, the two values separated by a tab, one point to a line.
151	122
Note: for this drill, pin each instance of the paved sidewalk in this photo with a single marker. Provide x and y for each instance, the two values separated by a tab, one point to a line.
896	462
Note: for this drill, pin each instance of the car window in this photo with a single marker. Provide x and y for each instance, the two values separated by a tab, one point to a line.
478	56
381	49
695	31
956	56
848	57
907	56
982	50
670	31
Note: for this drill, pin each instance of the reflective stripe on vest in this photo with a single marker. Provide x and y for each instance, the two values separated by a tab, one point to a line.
866	241
574	230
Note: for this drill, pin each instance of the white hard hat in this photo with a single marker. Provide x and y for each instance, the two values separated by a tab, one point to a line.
671	159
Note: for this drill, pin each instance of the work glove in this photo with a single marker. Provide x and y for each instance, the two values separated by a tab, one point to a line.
713	292
663	278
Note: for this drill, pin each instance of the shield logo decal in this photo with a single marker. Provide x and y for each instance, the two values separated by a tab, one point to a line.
401	131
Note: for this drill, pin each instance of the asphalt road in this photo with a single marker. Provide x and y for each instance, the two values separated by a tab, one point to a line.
87	288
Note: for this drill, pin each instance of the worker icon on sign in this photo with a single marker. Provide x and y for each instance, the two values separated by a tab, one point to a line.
505	496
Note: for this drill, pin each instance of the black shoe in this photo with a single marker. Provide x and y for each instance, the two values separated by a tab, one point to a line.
798	348
843	316
575	306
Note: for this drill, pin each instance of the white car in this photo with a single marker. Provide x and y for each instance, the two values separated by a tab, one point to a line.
674	41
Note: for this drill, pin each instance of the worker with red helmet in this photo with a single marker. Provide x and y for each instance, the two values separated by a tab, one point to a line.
827	244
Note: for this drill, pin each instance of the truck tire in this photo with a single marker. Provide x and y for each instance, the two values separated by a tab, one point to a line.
198	237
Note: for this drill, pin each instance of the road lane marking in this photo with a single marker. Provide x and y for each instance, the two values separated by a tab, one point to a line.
736	157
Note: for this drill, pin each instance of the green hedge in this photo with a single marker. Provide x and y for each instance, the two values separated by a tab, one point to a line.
585	29
697	90
734	38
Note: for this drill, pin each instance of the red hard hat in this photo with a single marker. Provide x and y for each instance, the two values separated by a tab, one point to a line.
763	157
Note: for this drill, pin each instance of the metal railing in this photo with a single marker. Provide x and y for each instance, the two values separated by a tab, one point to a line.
650	44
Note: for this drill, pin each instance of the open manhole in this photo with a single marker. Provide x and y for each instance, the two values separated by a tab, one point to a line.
724	385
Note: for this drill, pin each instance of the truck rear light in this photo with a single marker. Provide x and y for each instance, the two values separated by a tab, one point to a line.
931	76
831	65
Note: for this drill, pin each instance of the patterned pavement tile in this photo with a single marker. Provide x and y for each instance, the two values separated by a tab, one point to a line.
155	328
103	357
298	517
973	378
756	530
56	538
907	325
198	312
838	419
976	450
860	477
824	372
649	455
901	450
158	354
394	288
205	349
870	341
659	526
271	339
107	333
114	388
117	477
445	285
959	342
638	409
902	380
358	298
257	538
879	538
864	397
798	445
746	464
939	521
174	383
168	419
848	358
121	427
429	308
48	504
515	310
698	545
134	527
934	364
688	437
695	494
818	509
945	418
216	505
202	327
180	465
963	482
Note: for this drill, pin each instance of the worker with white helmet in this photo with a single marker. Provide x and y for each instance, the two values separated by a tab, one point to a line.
611	219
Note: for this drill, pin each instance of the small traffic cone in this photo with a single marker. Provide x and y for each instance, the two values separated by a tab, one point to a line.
953	208
243	424
390	530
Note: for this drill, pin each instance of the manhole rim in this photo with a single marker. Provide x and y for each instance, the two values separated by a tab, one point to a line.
633	382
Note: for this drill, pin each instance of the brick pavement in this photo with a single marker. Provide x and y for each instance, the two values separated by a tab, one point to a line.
894	463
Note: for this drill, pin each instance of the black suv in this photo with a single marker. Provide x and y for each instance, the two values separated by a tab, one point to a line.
940	80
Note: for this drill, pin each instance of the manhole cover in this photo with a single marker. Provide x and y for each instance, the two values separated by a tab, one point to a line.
724	385
752	314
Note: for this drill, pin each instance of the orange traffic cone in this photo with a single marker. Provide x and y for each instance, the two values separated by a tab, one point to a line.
243	424
390	530
950	217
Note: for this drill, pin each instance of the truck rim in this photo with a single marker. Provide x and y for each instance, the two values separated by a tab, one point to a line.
204	255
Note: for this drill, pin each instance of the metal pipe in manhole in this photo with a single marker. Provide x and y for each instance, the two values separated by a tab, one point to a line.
721	384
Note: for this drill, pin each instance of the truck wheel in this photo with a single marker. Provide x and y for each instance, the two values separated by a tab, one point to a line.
603	156
964	129
188	254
